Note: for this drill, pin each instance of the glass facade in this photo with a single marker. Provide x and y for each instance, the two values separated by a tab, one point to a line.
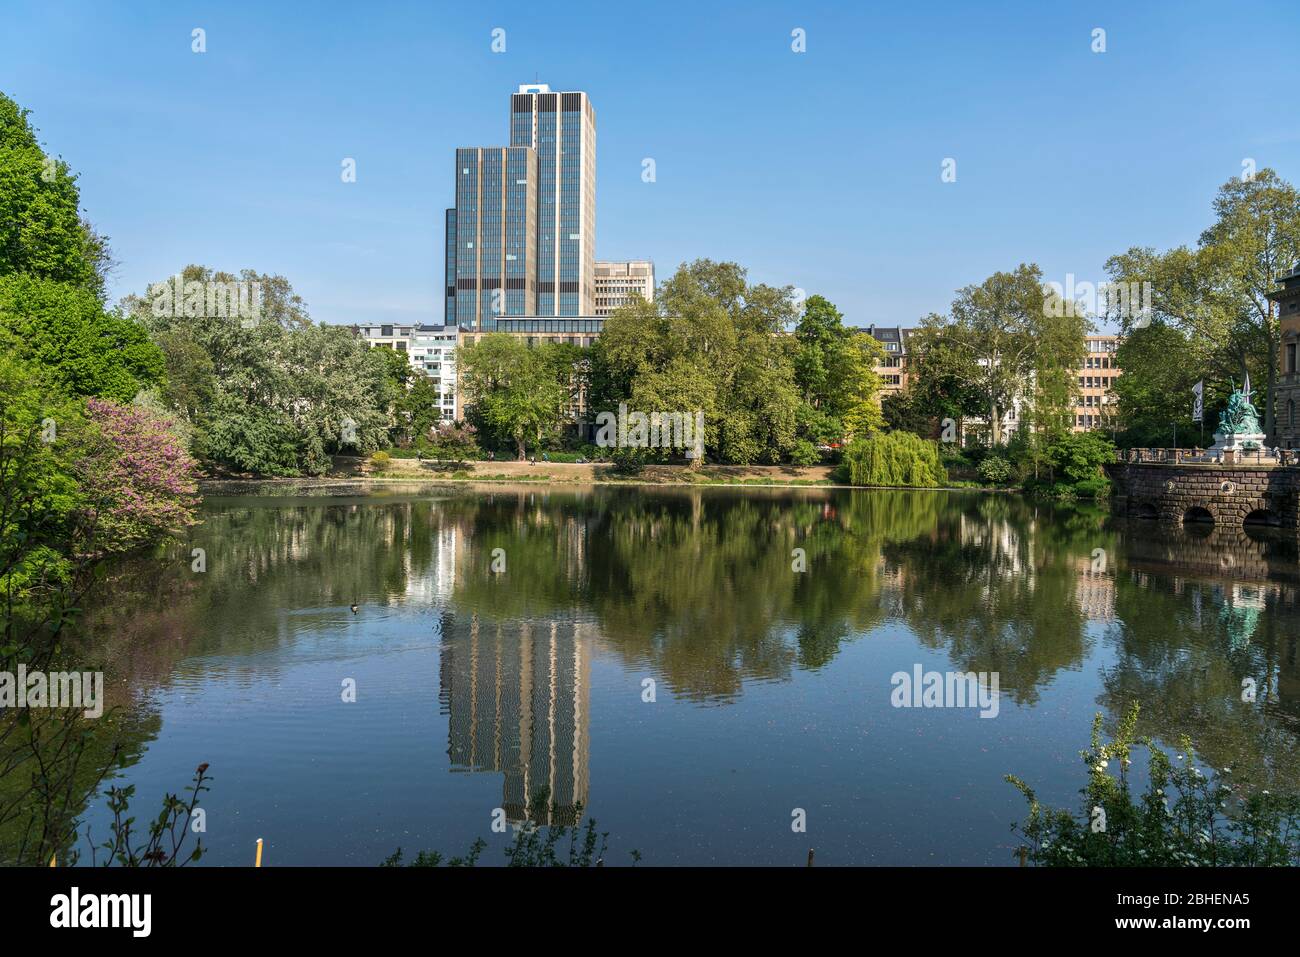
534	324
521	238
561	128
494	229
449	280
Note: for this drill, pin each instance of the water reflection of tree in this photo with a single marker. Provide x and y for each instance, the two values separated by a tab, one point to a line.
697	586
262	561
694	585
994	587
1185	642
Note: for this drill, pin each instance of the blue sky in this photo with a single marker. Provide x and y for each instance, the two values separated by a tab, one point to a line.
819	169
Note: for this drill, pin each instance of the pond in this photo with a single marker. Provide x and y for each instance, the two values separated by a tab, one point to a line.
709	672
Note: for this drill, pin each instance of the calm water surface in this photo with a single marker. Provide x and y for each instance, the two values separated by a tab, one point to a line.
475	690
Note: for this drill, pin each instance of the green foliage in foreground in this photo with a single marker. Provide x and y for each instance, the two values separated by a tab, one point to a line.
1185	818
1071	466
534	846
898	459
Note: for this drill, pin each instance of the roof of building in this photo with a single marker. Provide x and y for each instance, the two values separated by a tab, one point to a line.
898	334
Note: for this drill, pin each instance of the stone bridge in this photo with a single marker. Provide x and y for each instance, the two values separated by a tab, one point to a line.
1224	495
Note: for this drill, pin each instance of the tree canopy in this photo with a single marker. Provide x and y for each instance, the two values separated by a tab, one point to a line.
274	395
715	343
42	232
1216	294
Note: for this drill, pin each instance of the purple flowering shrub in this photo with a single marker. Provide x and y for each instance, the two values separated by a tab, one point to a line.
137	477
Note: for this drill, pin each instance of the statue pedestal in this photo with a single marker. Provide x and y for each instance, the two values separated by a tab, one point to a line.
1238	441
1232	448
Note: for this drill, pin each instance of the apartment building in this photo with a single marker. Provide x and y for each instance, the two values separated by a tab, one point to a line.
892	368
431	351
387	335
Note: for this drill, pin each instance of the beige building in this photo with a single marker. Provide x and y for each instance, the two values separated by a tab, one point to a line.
893	365
1286	415
1095	405
617	283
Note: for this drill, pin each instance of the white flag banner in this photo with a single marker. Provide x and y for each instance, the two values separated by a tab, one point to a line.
1198	401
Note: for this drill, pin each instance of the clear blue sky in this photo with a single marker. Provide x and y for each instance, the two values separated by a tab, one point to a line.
819	169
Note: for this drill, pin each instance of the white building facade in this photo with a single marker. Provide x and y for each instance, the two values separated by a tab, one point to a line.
431	350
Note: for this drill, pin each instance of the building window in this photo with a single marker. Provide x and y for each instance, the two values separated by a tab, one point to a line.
1290	357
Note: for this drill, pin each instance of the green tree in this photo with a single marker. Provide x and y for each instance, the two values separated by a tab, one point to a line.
513	391
835	374
42	233
1217	293
1001	339
273	394
898	459
1155	392
938	385
85	350
710	342
905	412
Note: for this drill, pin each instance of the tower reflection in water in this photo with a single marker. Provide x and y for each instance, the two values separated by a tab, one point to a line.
516	693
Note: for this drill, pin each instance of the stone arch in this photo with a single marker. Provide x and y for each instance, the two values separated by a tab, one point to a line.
1262	516
1198	513
1145	510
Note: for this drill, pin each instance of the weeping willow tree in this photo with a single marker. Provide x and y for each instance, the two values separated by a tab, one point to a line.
896	459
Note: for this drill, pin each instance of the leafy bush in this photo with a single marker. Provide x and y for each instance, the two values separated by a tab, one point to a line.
1185	818
629	460
804	453
1078	456
995	470
1092	488
893	459
453	441
379	461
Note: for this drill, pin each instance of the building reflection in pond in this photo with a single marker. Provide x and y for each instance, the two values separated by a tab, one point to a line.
517	696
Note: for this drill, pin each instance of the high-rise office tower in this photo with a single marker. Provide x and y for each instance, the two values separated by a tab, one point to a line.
561	128
521	240
491	236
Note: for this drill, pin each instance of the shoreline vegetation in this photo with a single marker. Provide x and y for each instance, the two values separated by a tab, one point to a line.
349	471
